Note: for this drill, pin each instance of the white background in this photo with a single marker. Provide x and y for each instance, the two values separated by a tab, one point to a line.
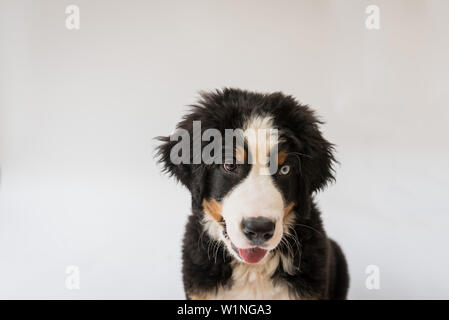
79	109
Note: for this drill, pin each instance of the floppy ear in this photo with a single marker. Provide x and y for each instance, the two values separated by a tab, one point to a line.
182	172
192	176
316	153
319	160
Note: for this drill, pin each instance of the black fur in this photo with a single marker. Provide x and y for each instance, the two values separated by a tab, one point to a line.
322	270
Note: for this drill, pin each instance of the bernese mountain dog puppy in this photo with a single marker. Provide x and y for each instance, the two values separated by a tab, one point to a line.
255	231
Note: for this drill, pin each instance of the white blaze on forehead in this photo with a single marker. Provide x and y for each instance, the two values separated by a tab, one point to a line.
261	137
256	195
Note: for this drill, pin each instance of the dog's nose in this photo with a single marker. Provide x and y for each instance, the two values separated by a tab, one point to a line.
258	230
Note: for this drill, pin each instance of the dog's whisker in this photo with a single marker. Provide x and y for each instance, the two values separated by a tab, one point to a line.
311	228
210	244
298	244
224	253
294	237
287	247
298	249
299	154
292	254
217	247
200	238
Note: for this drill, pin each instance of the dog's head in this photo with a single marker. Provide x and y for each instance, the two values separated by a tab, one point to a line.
251	162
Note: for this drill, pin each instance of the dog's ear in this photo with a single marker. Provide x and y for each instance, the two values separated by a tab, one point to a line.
178	162
318	160
181	171
315	152
318	164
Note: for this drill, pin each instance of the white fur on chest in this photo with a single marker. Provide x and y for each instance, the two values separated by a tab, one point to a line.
254	282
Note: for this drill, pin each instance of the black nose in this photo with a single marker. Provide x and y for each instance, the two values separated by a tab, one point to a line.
258	230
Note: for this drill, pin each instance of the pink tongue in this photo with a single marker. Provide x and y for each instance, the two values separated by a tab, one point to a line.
253	255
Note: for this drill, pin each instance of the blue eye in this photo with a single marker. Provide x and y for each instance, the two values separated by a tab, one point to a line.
285	170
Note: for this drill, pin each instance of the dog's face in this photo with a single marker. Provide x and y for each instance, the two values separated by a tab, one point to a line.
253	205
262	183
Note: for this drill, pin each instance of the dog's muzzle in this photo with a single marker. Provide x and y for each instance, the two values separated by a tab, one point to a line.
258	231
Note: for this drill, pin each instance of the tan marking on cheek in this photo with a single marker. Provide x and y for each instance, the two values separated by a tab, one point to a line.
240	154
213	208
288	209
282	155
201	297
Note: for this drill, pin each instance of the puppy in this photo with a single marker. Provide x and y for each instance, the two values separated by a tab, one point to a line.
255	231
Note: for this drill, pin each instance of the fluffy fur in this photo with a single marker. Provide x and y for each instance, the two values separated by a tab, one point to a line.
305	263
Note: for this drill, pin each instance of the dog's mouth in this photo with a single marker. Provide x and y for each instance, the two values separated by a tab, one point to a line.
250	255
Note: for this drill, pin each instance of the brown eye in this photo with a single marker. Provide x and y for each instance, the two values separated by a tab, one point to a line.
229	167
